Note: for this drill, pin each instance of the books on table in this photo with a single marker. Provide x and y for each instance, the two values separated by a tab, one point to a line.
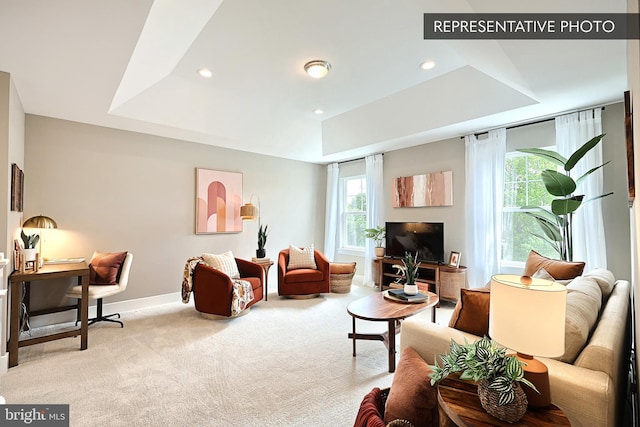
400	294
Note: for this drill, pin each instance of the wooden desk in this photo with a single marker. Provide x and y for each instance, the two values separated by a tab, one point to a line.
459	405
47	272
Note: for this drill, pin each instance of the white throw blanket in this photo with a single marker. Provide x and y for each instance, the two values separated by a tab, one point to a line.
242	290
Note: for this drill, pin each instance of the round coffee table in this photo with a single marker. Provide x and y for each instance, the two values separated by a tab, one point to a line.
377	308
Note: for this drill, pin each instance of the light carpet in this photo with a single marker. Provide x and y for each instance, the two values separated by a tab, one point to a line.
285	363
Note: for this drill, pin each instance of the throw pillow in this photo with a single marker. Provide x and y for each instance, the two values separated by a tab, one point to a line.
412	397
371	408
605	279
542	274
104	267
556	268
471	313
301	258
224	262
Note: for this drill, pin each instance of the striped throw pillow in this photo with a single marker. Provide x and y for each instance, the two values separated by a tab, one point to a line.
225	262
301	258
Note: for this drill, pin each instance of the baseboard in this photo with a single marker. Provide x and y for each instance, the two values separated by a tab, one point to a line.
114	307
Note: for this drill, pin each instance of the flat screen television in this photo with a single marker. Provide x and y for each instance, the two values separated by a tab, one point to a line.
425	238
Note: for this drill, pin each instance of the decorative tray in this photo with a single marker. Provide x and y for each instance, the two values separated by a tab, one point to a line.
392	297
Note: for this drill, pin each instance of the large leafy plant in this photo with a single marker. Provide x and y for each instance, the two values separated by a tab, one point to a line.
556	224
482	360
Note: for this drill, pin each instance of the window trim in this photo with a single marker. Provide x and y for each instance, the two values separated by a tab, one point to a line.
342	248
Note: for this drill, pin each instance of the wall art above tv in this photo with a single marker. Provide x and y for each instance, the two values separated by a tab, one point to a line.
431	189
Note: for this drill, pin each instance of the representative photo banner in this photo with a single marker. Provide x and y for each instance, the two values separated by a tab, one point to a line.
542	26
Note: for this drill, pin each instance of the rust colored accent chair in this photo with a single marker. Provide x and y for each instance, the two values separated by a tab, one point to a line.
303	282
213	289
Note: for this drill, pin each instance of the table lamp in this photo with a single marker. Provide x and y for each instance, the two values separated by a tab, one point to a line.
40	222
527	315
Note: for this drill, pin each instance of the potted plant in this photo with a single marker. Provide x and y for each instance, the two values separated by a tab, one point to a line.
262	241
556	224
498	375
409	270
377	234
30	241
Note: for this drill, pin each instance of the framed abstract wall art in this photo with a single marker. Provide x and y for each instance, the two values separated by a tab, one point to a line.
218	201
431	189
17	188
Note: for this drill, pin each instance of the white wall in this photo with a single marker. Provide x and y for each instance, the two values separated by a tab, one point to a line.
113	190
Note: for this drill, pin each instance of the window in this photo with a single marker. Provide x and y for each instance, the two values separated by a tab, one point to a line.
523	187
353	208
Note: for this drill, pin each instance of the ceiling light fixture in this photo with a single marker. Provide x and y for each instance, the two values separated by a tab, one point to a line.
317	68
318	111
428	64
205	72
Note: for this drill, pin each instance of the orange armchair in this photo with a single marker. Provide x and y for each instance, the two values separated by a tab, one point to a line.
303	282
213	290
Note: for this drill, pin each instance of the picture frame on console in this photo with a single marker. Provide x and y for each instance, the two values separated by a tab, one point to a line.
454	259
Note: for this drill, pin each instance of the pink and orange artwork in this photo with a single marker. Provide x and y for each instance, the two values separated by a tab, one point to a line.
218	201
431	189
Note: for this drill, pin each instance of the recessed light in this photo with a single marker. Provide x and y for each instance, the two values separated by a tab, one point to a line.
317	68
205	72
428	64
318	111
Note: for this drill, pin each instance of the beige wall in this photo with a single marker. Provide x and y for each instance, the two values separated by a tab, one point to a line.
113	190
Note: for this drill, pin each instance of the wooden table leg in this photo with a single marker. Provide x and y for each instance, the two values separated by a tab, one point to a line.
14	331
84	326
354	335
392	345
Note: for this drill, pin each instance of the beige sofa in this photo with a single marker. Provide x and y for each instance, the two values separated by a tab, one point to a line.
591	388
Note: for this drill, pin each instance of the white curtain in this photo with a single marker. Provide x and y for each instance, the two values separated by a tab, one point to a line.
573	131
484	194
331	214
375	208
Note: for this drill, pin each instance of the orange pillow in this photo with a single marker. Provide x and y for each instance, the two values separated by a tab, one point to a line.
412	397
560	270
471	313
104	267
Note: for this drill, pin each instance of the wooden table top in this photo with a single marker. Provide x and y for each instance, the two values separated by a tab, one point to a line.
51	271
460	402
377	307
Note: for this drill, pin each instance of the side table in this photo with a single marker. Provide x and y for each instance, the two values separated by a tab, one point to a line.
266	264
459	405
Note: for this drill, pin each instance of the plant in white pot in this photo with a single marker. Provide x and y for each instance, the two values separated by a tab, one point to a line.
409	270
376	234
30	241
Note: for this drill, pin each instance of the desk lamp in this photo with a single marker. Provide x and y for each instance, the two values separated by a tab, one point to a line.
527	315
40	222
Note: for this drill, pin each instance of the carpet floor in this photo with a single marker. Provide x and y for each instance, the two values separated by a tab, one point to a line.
285	363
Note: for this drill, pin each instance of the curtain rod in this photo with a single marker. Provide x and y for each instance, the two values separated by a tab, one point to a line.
535	122
356	159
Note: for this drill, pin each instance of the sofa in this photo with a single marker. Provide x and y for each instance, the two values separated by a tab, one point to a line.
589	381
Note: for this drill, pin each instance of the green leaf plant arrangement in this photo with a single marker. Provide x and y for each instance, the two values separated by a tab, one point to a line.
376	234
262	237
30	241
556	225
409	269
483	360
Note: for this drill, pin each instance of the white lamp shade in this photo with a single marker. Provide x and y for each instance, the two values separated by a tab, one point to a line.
529	319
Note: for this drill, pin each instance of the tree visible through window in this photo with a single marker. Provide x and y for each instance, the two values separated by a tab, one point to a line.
523	186
354	212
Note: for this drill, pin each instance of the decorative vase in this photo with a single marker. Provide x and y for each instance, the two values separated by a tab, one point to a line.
410	289
379	251
260	253
30	254
509	413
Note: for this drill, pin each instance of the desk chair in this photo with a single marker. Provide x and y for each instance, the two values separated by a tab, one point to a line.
98	292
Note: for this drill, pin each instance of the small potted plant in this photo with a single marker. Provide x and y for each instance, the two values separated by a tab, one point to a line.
498	376
376	234
409	270
30	241
262	241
